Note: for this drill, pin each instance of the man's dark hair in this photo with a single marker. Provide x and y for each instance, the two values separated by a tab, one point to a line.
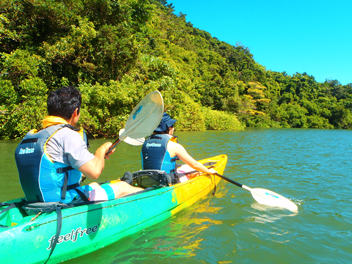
64	101
162	132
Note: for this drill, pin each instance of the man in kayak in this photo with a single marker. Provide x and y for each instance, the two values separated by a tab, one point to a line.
51	162
161	150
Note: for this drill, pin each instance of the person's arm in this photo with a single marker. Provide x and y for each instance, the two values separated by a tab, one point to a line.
180	151
93	168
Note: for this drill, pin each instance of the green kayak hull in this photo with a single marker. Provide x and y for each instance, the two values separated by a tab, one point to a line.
86	228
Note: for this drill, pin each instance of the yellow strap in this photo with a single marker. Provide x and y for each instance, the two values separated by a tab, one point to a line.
53	120
56	120
81	132
174	139
33	131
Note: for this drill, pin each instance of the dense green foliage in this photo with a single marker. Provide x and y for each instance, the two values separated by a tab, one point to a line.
117	51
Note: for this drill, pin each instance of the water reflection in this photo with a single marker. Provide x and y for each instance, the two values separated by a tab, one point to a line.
271	214
182	236
311	167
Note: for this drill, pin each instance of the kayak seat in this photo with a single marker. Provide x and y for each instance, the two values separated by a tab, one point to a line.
150	178
127	177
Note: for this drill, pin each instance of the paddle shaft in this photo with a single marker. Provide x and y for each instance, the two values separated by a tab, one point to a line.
263	196
117	141
229	180
222	177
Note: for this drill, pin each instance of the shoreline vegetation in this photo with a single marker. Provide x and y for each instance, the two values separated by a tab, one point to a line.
116	52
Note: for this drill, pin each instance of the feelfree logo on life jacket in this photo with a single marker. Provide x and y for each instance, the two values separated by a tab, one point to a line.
26	151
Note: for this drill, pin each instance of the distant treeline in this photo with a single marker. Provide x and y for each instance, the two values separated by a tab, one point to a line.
116	52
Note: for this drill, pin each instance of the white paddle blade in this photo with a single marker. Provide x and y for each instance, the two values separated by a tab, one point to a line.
131	141
267	197
145	117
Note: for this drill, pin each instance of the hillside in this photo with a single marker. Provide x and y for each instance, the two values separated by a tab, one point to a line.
116	52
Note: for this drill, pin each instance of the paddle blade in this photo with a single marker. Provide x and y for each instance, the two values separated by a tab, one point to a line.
131	141
145	117
268	197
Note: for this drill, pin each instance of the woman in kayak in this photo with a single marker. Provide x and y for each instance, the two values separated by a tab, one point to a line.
51	161
161	150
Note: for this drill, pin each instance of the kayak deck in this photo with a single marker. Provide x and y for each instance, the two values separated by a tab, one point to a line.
89	227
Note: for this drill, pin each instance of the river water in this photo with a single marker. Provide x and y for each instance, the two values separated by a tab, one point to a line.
310	167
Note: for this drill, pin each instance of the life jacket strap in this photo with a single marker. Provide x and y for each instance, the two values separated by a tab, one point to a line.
67	187
64	186
64	170
80	193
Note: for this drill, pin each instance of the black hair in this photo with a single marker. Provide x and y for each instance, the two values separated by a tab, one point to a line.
64	101
163	132
160	132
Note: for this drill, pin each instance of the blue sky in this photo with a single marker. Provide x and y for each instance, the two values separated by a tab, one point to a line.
294	36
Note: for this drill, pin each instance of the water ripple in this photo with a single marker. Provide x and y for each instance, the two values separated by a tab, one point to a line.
310	167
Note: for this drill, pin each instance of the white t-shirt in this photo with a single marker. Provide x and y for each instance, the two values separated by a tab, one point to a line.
67	146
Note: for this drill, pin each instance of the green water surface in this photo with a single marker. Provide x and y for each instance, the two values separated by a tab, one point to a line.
310	167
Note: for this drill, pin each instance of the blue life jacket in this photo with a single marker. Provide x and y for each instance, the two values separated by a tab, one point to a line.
155	155
43	180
